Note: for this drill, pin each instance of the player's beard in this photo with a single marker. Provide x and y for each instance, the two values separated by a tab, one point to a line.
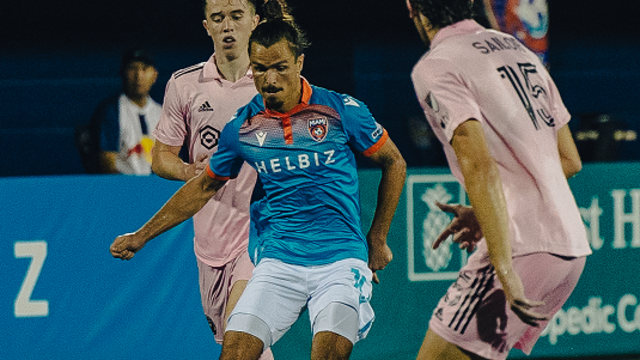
273	103
271	99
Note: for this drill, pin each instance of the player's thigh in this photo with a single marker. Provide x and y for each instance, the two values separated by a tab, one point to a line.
329	345
549	278
217	290
474	313
236	291
340	299
214	284
275	296
241	270
240	345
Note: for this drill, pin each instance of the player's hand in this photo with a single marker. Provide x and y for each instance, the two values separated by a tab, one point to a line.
464	227
379	257
200	165
125	246
518	303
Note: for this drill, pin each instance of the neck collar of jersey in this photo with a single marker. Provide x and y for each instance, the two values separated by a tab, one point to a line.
459	28
304	102
211	70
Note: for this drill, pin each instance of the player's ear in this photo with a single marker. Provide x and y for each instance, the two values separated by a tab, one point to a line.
256	21
206	26
300	62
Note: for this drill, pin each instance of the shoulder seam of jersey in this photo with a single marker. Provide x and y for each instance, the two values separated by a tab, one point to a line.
188	70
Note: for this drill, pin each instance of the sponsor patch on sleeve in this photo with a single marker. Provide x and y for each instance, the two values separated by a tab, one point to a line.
377	132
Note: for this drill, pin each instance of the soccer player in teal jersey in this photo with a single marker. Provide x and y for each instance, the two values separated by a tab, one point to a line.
305	162
312	252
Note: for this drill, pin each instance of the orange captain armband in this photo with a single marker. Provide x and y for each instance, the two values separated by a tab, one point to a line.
217	177
375	147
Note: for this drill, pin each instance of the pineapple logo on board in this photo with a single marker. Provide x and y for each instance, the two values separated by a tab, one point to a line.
425	221
435	222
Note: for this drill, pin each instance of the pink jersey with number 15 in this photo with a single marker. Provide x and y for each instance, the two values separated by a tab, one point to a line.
489	76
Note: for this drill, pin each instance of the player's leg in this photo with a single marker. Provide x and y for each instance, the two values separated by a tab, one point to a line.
329	345
236	291
241	273
335	331
214	286
220	289
474	315
241	346
470	320
436	348
339	308
271	302
560	276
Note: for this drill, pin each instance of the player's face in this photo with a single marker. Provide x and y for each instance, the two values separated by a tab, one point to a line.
229	23
276	74
138	79
419	22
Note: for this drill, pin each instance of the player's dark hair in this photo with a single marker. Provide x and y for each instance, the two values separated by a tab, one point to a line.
442	13
278	24
253	3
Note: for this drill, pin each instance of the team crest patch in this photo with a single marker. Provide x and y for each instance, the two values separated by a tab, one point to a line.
318	128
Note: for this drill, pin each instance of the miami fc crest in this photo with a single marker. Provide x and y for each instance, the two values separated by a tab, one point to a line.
318	128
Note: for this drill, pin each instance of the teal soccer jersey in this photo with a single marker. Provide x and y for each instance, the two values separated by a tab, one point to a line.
306	163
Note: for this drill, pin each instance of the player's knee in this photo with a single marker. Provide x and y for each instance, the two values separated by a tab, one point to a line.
338	318
252	325
329	345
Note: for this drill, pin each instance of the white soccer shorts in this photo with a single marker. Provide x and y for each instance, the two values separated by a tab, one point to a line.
278	293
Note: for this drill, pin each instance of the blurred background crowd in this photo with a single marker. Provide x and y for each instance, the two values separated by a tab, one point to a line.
59	60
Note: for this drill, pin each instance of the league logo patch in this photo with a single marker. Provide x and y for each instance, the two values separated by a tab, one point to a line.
432	102
318	128
440	112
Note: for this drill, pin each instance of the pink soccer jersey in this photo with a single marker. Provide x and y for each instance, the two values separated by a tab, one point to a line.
199	102
489	76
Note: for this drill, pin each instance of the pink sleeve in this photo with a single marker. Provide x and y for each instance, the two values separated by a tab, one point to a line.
172	127
446	98
560	112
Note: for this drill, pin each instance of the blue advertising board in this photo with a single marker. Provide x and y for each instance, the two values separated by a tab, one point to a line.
602	316
63	295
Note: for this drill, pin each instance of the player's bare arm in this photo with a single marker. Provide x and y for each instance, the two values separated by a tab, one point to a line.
484	188
465	228
167	163
394	171
569	157
185	203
